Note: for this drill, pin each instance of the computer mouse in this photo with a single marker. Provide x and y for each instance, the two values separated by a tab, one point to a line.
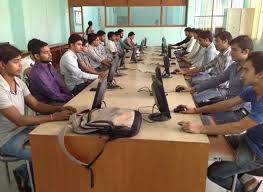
93	89
179	88
179	108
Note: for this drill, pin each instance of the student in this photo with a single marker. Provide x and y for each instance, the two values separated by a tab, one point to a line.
219	64
28	61
241	47
75	79
45	83
129	40
97	61
14	125
84	60
120	50
188	46
111	43
101	48
187	37
195	49
206	41
245	136
123	45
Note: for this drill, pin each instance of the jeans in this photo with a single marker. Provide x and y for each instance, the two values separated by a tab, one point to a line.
202	77
15	147
209	94
78	88
222	173
228	116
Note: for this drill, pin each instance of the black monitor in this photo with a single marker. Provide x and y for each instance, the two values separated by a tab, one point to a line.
141	46
158	74
160	102
112	71
166	63
100	92
145	42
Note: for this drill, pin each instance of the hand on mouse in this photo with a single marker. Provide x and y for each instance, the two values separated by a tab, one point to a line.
188	110
191	128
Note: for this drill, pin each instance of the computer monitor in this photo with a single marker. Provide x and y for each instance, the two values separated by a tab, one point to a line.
100	92
111	73
166	63
141	46
145	42
158	74
160	102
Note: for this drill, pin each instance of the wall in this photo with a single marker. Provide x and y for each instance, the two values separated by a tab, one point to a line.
154	34
24	20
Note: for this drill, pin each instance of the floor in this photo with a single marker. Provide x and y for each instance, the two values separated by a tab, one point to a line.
5	187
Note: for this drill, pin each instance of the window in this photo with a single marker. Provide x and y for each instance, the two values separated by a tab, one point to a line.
94	14
174	15
210	14
260	25
145	16
76	21
117	16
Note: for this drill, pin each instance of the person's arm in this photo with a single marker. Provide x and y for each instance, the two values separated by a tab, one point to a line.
223	129
216	107
87	68
182	42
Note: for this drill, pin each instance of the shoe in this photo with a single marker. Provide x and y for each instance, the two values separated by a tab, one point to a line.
22	183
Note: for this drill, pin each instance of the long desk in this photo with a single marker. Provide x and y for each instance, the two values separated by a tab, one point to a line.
160	158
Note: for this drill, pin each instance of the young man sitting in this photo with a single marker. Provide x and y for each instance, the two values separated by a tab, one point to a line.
97	61
75	79
120	50
14	125
101	47
129	40
111	43
123	44
241	47
45	83
245	135
84	60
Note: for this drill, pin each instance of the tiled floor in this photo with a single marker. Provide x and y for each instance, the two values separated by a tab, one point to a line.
5	187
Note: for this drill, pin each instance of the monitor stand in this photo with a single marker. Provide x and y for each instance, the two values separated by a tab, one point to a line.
113	86
158	117
165	75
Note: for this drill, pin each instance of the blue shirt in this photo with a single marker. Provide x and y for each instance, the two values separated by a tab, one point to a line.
254	135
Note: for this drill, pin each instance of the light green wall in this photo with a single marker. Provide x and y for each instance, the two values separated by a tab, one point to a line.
27	19
5	31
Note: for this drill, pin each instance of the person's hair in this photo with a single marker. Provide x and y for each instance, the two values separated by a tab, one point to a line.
191	30
110	34
206	35
256	58
37	46
120	30
29	44
187	29
8	52
84	41
92	37
74	38
224	35
131	34
197	31
101	33
89	25
244	42
117	33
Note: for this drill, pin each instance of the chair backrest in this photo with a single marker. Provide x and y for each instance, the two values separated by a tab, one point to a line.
9	158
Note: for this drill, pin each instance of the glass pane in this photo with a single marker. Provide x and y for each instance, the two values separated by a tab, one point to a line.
218	22
96	15
220	6
174	15
237	3
145	16
76	20
203	7
260	26
203	22
117	16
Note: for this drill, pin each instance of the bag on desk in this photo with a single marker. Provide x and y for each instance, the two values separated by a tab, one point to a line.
112	122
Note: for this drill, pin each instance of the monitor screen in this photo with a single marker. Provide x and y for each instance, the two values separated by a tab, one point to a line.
160	98
158	73
166	63
113	69
100	92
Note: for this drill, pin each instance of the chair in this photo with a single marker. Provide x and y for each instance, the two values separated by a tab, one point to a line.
6	160
257	172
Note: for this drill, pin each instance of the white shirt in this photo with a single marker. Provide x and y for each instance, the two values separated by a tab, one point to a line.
112	46
72	73
198	59
194	51
190	44
8	99
26	63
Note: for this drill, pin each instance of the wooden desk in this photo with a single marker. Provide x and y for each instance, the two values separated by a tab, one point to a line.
160	158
